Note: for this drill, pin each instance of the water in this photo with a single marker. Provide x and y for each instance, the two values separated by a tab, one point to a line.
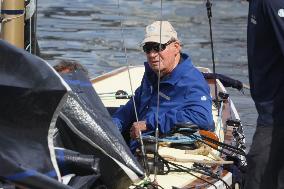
95	33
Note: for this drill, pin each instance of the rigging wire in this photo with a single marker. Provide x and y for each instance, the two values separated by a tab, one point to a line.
126	59
158	99
35	30
132	93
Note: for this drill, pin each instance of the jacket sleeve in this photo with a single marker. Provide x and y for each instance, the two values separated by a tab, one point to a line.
196	109
125	115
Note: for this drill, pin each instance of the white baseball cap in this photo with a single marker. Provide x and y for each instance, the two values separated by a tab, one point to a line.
153	32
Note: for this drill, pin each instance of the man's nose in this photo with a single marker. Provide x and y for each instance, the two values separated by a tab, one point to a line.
152	53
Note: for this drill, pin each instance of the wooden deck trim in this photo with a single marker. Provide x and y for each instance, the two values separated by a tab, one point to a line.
109	74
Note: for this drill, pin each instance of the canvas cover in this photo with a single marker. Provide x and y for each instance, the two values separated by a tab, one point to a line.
86	126
35	103
31	93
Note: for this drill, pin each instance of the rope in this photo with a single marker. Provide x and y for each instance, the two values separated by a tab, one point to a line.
181	168
202	150
188	160
220	144
178	139
4	20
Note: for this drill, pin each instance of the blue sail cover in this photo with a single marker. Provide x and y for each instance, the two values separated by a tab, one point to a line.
36	101
31	93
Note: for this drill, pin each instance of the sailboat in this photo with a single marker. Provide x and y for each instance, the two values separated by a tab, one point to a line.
212	159
219	163
212	162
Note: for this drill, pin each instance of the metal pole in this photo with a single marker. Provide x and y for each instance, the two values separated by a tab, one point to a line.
12	27
209	14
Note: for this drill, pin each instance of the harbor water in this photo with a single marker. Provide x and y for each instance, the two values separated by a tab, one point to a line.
105	34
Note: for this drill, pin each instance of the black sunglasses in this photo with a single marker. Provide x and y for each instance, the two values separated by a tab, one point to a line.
157	47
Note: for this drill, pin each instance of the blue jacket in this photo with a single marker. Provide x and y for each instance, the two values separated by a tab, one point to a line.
184	97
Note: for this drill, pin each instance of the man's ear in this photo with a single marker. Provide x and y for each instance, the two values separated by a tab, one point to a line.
177	47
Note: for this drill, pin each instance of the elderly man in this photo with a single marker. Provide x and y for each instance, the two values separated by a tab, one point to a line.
184	95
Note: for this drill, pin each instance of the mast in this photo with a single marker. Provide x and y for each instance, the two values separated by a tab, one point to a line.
12	22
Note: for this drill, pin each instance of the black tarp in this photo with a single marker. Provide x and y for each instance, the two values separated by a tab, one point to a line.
30	93
86	126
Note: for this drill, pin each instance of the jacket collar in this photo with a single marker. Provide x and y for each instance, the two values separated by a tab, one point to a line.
179	71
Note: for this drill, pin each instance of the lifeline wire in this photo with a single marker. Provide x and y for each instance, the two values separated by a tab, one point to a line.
126	59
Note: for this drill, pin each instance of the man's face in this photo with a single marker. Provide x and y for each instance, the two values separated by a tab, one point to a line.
167	57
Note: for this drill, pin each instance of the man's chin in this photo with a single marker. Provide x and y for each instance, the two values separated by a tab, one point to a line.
155	69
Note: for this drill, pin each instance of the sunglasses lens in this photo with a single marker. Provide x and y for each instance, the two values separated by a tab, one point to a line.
159	48
147	48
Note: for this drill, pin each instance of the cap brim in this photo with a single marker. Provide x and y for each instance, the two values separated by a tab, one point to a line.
156	39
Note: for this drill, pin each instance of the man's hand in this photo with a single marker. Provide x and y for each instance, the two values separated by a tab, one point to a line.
136	127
